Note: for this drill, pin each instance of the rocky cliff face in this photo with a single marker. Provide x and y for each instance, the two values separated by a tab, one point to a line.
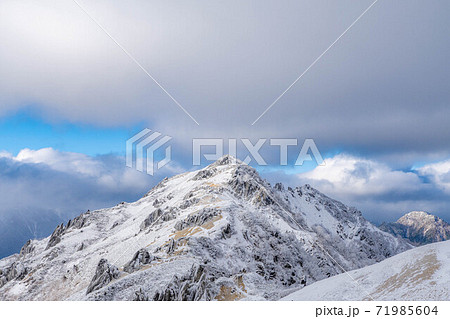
419	228
220	233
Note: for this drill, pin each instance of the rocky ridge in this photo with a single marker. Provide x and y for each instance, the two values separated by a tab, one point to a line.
220	233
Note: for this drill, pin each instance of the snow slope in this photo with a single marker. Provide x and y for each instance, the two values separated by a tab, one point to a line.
219	233
422	273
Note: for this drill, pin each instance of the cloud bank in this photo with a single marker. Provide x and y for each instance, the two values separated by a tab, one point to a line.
41	188
382	88
383	193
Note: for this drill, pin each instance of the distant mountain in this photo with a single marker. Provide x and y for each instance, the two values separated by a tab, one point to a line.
419	228
16	227
220	233
417	274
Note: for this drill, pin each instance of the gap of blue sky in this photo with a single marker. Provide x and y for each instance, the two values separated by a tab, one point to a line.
26	129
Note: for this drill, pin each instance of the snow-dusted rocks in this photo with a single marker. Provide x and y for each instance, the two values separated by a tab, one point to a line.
157	215
140	258
220	233
27	248
193	286
104	274
55	238
15	271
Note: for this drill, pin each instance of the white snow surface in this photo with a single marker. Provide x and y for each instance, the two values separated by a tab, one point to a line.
220	233
422	273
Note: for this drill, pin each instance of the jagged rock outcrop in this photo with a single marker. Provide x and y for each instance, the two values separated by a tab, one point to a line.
171	246
104	274
194	286
157	215
16	271
77	223
140	258
226	232
55	238
205	173
140	295
248	184
189	202
27	248
197	219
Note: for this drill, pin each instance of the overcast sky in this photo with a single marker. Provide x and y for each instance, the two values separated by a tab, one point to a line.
376	104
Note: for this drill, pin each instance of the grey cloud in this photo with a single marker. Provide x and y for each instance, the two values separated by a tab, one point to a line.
382	89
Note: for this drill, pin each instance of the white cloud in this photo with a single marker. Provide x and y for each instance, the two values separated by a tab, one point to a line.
439	173
381	192
352	176
40	188
64	181
63	161
5	154
108	172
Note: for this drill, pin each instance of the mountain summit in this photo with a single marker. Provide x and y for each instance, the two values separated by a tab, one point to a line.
219	233
419	228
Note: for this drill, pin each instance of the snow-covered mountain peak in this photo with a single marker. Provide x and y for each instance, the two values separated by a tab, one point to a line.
227	160
221	232
415	217
419	227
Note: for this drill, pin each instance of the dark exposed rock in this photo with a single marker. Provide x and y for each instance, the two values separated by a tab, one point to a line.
197	219
226	160
55	238
16	271
27	248
171	247
141	257
226	231
81	246
140	296
189	195
196	285
279	187
247	184
76	223
104	274
189	202
157	215
115	225
158	202
204	174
